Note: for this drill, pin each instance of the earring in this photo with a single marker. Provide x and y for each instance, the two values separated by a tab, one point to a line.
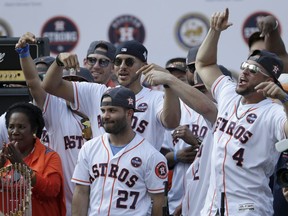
34	135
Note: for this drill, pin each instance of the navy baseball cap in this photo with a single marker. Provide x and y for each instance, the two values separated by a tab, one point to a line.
191	56
133	48
270	61
82	75
176	64
47	60
106	45
120	96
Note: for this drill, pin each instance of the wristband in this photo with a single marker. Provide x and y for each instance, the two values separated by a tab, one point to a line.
276	26
285	99
59	62
175	156
24	51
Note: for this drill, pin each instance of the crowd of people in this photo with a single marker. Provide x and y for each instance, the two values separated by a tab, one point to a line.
121	136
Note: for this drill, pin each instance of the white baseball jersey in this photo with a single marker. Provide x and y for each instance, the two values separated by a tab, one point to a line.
245	154
198	126
3	131
198	178
147	124
119	184
64	129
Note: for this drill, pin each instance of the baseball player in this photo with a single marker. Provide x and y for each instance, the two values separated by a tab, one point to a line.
119	172
182	141
158	113
64	127
247	127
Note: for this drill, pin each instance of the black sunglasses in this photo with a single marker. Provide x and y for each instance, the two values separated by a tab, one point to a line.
191	68
129	62
102	61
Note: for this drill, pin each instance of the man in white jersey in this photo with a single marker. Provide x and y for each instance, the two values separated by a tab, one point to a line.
248	125
119	172
64	126
158	113
182	142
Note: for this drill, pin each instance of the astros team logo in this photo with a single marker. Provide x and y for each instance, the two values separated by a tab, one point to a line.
161	170
5	29
136	162
250	24
191	30
142	107
124	28
62	32
251	118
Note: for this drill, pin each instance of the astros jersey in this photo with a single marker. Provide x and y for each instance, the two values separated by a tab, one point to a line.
65	133
198	126
147	124
119	184
198	178
245	137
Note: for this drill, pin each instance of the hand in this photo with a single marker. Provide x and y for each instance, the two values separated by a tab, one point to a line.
271	89
155	74
26	38
187	155
219	20
13	154
70	61
183	132
266	24
285	193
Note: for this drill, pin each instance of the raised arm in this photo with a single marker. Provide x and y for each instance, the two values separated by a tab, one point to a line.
29	69
269	28
156	75
206	60
53	82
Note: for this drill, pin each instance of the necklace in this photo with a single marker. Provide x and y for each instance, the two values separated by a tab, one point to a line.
243	114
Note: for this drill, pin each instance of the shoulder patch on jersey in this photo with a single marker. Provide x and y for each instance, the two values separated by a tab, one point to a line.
251	118
142	107
47	150
161	170
136	162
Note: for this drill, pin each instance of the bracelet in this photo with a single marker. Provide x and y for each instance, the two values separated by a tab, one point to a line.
276	26
24	51
59	62
175	156
285	99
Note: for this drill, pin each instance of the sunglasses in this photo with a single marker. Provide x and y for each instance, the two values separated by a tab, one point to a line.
129	62
102	61
252	68
191	68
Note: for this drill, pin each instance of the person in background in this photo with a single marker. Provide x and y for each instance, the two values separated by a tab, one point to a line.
24	123
99	61
182	143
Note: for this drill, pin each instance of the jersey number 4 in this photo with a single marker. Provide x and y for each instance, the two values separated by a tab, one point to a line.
238	156
124	196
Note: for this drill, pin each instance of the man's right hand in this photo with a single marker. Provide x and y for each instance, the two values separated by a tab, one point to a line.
26	38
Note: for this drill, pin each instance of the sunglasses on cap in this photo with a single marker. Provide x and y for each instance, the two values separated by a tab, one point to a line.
102	61
129	62
191	68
